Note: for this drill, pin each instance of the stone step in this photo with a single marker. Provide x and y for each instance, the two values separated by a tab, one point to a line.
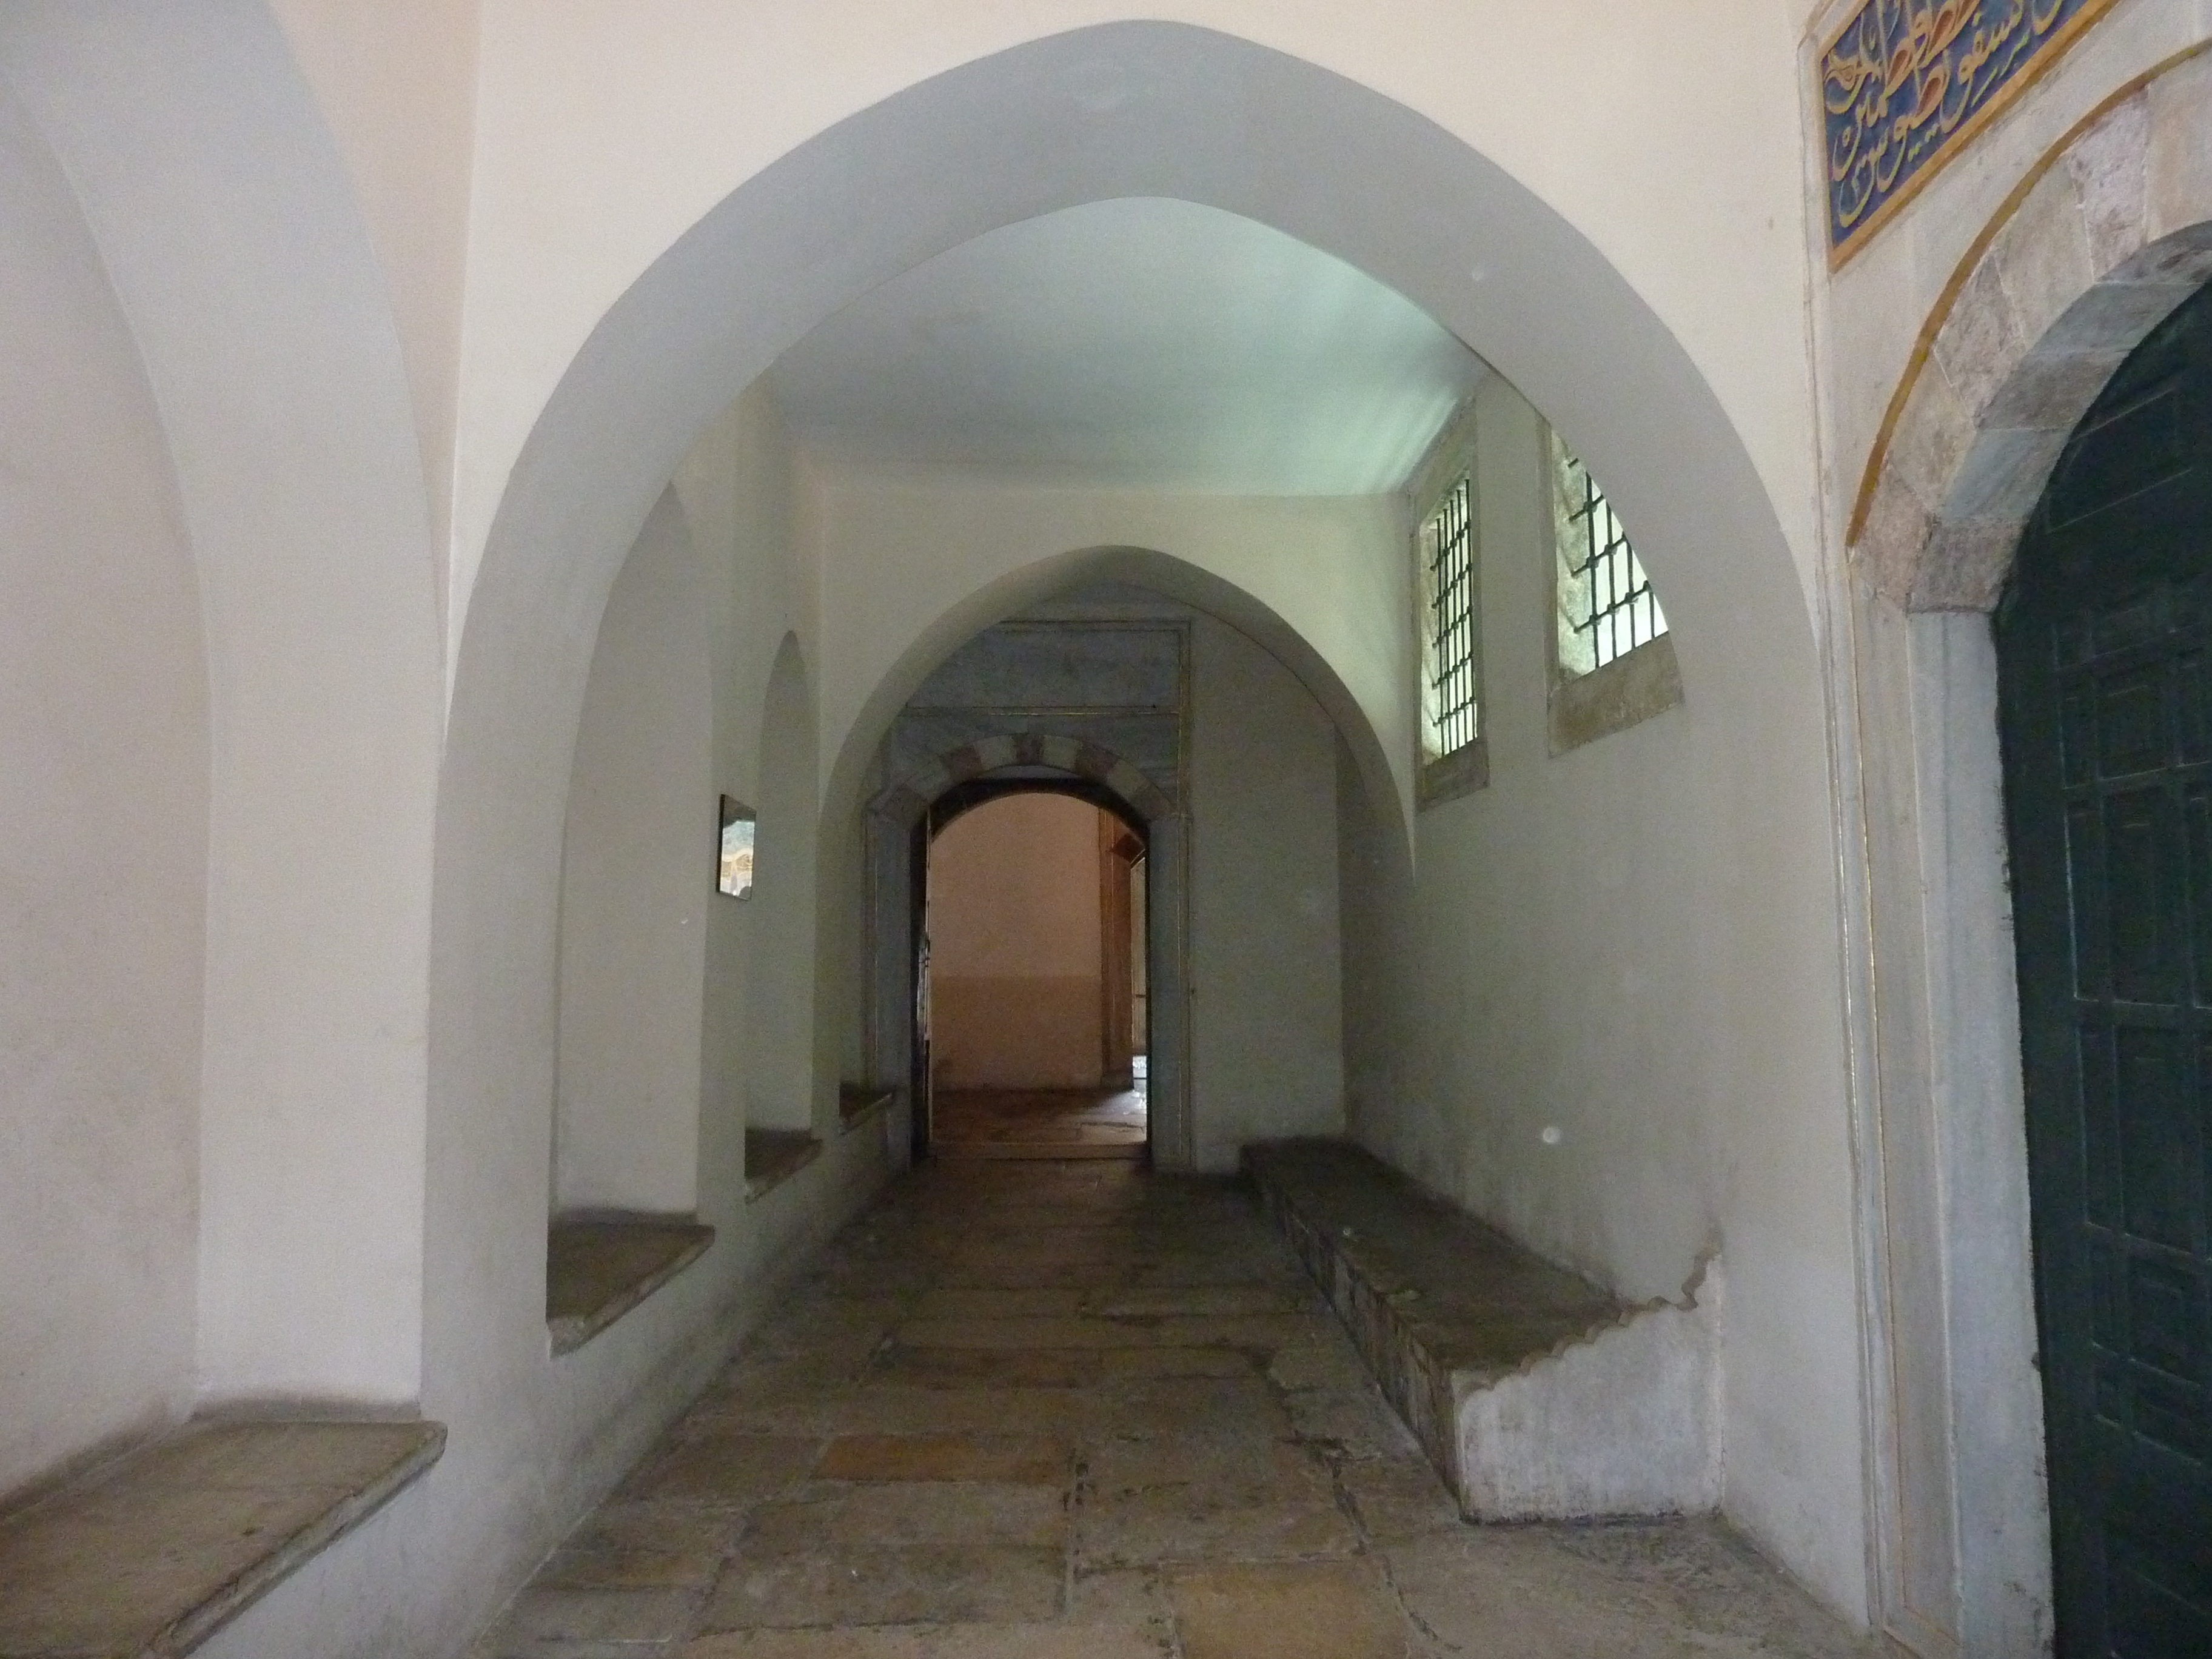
1538	1395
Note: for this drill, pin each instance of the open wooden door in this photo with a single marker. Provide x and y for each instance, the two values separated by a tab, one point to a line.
1119	851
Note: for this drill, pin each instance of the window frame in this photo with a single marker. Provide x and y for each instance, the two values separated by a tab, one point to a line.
1445	774
1641	682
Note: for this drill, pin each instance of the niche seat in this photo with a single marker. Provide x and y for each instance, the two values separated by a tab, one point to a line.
1537	1395
152	1552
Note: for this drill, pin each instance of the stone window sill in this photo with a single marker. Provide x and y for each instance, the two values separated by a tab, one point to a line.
861	1102
154	1553
1449	777
1626	692
774	1156
597	1267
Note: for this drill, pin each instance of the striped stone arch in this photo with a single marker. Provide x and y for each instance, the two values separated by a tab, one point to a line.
2107	233
905	800
890	824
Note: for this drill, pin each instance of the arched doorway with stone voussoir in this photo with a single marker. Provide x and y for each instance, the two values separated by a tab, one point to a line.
899	823
1031	972
2108	235
2106	714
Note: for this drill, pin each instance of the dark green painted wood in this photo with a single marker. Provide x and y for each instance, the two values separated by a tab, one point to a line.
2105	665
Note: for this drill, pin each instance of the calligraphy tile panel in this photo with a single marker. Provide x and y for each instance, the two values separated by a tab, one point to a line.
1906	84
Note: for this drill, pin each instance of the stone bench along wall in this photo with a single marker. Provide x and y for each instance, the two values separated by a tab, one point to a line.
1536	1394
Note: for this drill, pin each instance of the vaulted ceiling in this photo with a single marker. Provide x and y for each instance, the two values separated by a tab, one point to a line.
1133	343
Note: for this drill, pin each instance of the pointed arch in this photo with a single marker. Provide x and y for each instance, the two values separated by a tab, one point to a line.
1204	116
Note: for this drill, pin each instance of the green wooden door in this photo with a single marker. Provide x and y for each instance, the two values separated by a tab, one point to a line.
2104	659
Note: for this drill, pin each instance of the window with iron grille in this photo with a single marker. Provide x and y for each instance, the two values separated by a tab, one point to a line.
1451	680
1605	605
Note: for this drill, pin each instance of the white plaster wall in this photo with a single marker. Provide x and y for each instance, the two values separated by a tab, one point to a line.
739	497
396	82
964	552
1266	1009
223	215
1590	945
637	869
103	851
780	931
1324	581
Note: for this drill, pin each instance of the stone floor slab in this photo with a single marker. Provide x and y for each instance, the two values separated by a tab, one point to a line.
961	1642
944	1457
1303	1610
733	1470
1054	1368
1544	1593
542	1615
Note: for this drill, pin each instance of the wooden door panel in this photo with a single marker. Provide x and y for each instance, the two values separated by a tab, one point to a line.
2102	642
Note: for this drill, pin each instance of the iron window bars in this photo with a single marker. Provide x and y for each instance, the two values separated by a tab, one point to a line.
1607	607
1448	538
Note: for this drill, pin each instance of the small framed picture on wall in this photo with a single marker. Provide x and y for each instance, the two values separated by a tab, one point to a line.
735	873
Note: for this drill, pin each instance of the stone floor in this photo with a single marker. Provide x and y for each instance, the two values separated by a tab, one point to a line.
1038	1123
1073	1410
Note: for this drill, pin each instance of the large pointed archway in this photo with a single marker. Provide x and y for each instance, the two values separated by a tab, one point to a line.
1199	116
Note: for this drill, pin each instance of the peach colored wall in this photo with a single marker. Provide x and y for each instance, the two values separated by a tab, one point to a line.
1014	939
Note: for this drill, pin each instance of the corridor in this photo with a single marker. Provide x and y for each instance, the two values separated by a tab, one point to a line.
1039	1411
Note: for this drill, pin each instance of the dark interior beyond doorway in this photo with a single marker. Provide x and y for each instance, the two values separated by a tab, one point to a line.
1034	981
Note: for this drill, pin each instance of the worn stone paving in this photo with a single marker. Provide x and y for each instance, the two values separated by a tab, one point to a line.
1038	1123
1074	1410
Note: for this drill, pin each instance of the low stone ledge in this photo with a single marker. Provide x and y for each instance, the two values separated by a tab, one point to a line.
774	1156
152	1553
597	1267
861	1102
1536	1394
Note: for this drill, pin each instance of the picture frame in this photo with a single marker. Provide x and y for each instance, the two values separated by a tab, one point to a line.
733	870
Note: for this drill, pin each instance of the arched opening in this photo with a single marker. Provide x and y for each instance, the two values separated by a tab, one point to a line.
1172	698
2101	638
1030	973
106	741
2011	366
218	209
1734	884
357	1241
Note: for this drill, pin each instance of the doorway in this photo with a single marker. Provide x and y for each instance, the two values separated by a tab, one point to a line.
1030	975
2105	664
